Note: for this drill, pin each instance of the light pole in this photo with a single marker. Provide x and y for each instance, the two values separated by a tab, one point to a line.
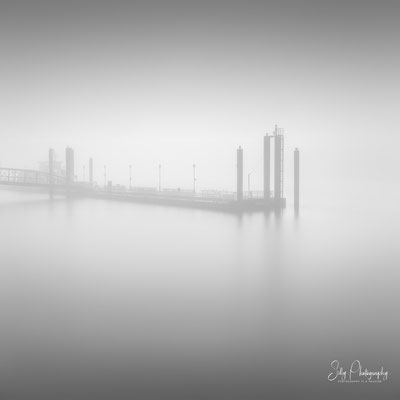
194	178
159	177
130	177
248	183
105	177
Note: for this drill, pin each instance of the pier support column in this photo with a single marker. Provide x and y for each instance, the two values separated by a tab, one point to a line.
239	189
278	177
267	168
296	178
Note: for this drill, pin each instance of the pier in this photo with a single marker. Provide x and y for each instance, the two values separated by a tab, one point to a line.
63	182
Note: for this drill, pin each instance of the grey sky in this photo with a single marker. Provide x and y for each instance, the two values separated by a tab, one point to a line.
179	83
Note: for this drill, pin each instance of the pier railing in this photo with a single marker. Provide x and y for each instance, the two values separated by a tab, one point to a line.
29	177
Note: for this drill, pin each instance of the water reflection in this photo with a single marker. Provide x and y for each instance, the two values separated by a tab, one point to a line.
189	300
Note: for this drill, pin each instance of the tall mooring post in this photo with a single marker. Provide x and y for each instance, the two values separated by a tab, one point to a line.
239	189
278	168
296	178
51	166
69	165
91	171
267	167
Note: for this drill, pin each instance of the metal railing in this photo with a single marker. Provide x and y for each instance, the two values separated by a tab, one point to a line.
29	177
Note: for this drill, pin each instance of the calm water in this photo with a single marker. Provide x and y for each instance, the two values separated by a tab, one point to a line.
102	299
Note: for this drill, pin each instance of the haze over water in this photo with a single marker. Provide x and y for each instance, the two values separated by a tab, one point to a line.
103	299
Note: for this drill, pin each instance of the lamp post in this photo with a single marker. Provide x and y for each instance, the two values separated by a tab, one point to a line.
159	177
194	178
248	183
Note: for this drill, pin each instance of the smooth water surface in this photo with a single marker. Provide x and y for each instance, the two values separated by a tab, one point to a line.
104	299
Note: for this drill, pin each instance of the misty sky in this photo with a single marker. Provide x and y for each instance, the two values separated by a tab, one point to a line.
183	82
